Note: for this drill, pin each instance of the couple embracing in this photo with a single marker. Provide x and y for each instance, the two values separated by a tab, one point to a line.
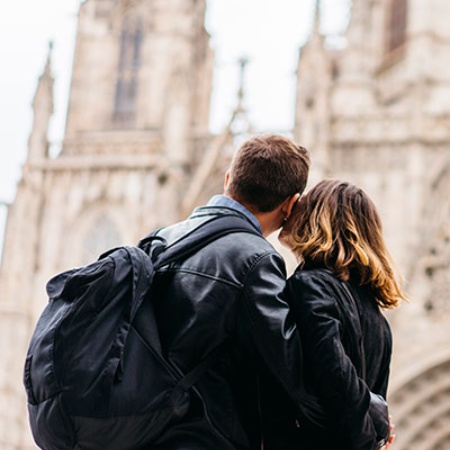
302	362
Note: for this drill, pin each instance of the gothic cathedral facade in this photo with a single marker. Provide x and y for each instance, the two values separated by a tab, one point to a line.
137	154
377	113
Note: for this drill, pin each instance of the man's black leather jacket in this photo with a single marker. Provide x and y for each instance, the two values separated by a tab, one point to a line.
229	293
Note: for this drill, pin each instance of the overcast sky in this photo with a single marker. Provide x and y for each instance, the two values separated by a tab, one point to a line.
268	32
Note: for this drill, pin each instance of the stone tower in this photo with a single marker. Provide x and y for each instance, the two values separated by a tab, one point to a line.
137	127
377	113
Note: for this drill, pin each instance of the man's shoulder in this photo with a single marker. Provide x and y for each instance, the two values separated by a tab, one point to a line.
238	251
244	243
241	234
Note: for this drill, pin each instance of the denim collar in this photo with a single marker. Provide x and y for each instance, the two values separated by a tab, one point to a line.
222	201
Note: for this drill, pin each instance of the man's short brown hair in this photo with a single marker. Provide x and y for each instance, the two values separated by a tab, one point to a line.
266	170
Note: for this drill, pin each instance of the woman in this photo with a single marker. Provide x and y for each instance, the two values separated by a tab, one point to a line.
345	276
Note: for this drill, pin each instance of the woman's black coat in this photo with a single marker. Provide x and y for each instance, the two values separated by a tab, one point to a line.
335	331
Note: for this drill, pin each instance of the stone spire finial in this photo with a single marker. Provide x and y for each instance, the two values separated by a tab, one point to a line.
42	111
48	64
317	16
45	83
242	64
47	72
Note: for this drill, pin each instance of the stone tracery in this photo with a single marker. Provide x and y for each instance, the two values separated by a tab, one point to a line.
436	231
422	409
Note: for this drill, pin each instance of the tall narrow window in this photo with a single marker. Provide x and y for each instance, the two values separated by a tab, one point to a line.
127	77
397	21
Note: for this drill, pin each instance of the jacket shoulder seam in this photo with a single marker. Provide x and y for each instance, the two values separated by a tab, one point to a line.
255	262
200	274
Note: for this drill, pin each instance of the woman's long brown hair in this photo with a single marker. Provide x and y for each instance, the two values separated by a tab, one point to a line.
337	226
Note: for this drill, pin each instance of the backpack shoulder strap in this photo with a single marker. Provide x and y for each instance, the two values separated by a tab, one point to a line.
191	377
201	236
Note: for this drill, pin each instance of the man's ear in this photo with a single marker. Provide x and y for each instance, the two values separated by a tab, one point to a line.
289	205
226	181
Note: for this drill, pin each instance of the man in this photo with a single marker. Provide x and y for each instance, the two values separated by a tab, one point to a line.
230	294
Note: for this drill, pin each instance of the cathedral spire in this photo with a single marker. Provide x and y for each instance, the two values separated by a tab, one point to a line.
317	17
48	64
46	76
239	122
42	110
242	65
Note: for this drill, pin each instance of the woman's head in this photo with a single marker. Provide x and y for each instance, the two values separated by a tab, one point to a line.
337	226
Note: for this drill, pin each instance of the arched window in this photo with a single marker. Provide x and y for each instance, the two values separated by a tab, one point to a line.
127	77
396	24
102	236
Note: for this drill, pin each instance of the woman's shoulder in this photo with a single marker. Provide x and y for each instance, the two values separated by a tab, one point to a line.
319	287
311	285
316	275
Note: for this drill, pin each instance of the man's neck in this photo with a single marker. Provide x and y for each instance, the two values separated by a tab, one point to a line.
269	221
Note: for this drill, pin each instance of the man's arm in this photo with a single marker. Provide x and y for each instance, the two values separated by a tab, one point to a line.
265	325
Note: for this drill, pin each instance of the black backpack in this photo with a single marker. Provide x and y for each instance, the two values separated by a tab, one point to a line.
95	374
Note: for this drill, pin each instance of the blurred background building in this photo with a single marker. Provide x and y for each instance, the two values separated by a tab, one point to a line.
373	108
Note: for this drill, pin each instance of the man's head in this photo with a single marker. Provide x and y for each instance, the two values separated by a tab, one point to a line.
266	171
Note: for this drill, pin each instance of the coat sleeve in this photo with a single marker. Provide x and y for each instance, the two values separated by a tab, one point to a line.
334	379
266	327
381	386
